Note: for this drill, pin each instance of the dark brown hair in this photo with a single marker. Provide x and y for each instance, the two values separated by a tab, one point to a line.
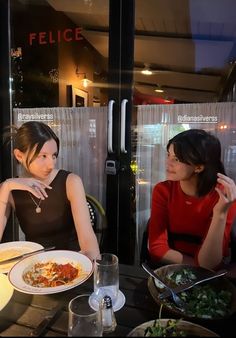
198	147
30	135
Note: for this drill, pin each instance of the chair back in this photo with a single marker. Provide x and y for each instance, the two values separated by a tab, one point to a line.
144	253
98	219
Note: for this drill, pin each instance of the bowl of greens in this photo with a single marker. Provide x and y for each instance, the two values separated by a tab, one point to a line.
171	328
211	300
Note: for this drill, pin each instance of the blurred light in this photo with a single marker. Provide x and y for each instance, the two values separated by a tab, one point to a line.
146	70
85	81
141	181
159	89
224	126
134	167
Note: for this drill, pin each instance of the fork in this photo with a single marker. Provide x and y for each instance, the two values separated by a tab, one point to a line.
177	300
184	287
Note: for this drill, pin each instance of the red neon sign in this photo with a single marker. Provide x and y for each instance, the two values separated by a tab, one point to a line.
50	37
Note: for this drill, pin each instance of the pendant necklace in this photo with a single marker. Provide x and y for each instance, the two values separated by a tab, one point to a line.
38	208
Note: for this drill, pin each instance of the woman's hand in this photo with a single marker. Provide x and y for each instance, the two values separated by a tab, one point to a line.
227	193
34	186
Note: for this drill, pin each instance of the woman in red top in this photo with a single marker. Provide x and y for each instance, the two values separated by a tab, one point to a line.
193	211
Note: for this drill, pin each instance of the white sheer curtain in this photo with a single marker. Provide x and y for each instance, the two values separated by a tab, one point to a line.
83	139
156	124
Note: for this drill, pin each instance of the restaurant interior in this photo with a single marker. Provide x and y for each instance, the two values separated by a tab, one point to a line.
116	79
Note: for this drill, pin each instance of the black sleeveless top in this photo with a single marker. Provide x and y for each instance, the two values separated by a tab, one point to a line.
54	225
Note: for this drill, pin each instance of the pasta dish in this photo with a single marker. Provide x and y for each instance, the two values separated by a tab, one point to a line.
51	274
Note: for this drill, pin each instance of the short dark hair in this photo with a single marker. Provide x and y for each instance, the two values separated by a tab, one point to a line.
199	147
31	134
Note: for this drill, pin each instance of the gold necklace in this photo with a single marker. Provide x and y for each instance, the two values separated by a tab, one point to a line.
38	209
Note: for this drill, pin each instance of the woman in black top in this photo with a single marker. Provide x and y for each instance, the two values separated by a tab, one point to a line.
49	203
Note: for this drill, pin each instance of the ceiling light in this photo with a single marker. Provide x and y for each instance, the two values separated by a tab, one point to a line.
159	89
146	70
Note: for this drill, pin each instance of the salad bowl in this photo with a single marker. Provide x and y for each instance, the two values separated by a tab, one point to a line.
171	328
213	300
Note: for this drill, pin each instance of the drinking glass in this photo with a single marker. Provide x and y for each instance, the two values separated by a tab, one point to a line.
83	320
106	277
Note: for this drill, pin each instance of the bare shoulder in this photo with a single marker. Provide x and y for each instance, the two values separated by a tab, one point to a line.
74	184
73	178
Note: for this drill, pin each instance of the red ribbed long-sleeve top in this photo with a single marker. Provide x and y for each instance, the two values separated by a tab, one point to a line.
181	222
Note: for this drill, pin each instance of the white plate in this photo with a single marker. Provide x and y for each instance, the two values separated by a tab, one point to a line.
12	249
58	256
6	291
191	329
120	302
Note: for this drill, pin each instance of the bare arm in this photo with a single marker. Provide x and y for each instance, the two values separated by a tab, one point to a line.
36	187
5	206
86	236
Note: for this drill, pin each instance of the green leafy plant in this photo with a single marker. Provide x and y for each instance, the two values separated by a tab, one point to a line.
170	329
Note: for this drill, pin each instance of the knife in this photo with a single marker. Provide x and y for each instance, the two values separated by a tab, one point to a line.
189	285
12	259
49	318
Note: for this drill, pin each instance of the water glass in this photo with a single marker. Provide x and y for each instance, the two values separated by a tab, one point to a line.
106	277
83	320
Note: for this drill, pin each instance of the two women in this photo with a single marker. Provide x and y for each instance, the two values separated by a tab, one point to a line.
192	211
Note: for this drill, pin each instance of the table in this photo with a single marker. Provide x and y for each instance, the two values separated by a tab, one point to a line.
24	312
